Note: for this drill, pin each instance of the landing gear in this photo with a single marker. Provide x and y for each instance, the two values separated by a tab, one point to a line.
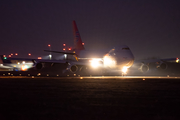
124	74
124	71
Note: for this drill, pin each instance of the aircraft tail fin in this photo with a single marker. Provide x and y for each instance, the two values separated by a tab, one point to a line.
4	60
77	38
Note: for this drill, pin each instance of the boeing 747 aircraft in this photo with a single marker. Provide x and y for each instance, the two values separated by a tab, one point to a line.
119	57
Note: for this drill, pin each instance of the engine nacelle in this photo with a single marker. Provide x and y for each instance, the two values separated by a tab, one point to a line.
144	68
84	69
74	68
163	66
39	66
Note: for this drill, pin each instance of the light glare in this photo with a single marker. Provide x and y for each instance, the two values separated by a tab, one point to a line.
95	63
24	67
124	70
109	62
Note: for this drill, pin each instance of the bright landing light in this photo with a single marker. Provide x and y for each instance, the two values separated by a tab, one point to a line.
95	63
24	67
124	69
109	62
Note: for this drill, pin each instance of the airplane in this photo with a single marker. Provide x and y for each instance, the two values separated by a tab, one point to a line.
25	64
118	58
15	64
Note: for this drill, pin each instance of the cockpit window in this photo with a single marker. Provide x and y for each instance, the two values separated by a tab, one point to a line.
125	48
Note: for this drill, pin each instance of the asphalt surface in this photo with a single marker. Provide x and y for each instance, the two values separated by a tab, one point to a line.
78	98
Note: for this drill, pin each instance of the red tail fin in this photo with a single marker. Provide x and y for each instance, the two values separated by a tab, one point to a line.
77	38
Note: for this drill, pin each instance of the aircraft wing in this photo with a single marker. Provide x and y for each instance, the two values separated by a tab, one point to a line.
155	60
146	65
60	52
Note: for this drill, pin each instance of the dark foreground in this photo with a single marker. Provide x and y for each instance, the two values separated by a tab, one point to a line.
89	99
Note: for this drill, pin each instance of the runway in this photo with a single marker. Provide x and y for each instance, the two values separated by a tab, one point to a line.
91	77
93	97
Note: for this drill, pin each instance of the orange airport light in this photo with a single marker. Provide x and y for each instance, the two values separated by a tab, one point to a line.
64	49
4	55
11	54
64	44
16	54
69	49
29	54
49	45
82	43
39	58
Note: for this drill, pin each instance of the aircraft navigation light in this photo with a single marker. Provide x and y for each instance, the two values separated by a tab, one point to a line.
177	60
124	70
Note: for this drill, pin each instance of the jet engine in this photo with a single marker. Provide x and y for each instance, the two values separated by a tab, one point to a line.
144	68
78	68
83	69
39	66
74	68
162	66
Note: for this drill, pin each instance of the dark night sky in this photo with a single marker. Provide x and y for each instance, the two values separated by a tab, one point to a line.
149	27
